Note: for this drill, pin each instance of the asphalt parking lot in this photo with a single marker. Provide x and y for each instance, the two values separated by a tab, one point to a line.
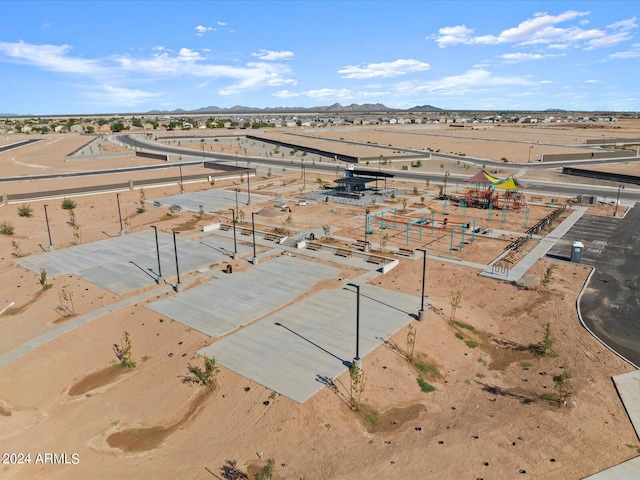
610	305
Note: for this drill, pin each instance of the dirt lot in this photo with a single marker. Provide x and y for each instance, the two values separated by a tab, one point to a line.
487	407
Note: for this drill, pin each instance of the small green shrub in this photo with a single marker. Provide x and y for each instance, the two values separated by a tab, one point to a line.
25	211
459	335
425	386
550	397
427	368
6	228
471	343
465	326
68	204
373	419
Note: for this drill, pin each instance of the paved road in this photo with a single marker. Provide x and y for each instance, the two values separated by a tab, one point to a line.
569	189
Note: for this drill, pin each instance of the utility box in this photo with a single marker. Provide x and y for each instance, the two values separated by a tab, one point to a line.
576	252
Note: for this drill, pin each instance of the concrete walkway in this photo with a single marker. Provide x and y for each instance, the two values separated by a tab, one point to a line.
516	272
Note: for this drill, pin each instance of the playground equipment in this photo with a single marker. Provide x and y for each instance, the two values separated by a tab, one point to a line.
485	193
393	219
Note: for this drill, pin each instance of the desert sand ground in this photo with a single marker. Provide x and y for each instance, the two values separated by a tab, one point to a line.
485	419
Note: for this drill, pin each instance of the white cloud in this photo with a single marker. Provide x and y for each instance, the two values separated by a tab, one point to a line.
448	36
592	81
385	69
286	94
254	75
628	24
272	55
53	58
110	95
520	57
634	52
328	93
542	29
470	81
221	24
201	30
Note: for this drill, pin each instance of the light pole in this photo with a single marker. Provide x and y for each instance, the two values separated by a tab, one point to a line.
119	214
421	314
159	279
446	174
180	168
46	217
357	361
235	247
530	148
248	185
175	249
254	261
237	210
615	212
202	145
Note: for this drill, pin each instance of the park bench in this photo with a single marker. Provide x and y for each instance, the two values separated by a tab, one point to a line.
314	246
341	252
156	203
176	208
225	227
246	231
271	237
362	245
406	252
377	260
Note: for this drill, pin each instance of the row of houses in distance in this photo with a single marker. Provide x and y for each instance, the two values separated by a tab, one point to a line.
108	124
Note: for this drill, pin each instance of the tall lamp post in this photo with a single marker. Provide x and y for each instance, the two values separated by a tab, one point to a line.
530	148
119	214
254	261
175	249
357	361
421	314
615	212
46	217
180	168
446	174
159	279
202	144
235	246
248	185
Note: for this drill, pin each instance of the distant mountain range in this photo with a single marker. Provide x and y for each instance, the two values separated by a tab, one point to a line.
335	108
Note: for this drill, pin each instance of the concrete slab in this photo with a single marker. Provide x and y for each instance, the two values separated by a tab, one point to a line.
230	301
128	263
298	350
212	200
624	471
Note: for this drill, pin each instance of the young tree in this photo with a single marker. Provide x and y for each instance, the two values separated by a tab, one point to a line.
267	472
356	375
42	279
545	346
206	378
123	351
456	302
327	230
411	343
547	276
562	385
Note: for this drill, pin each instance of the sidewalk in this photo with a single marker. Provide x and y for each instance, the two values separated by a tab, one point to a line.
516	272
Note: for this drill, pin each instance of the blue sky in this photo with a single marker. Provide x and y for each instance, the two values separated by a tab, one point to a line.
105	57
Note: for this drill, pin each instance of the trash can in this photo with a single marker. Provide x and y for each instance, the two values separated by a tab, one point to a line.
576	252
